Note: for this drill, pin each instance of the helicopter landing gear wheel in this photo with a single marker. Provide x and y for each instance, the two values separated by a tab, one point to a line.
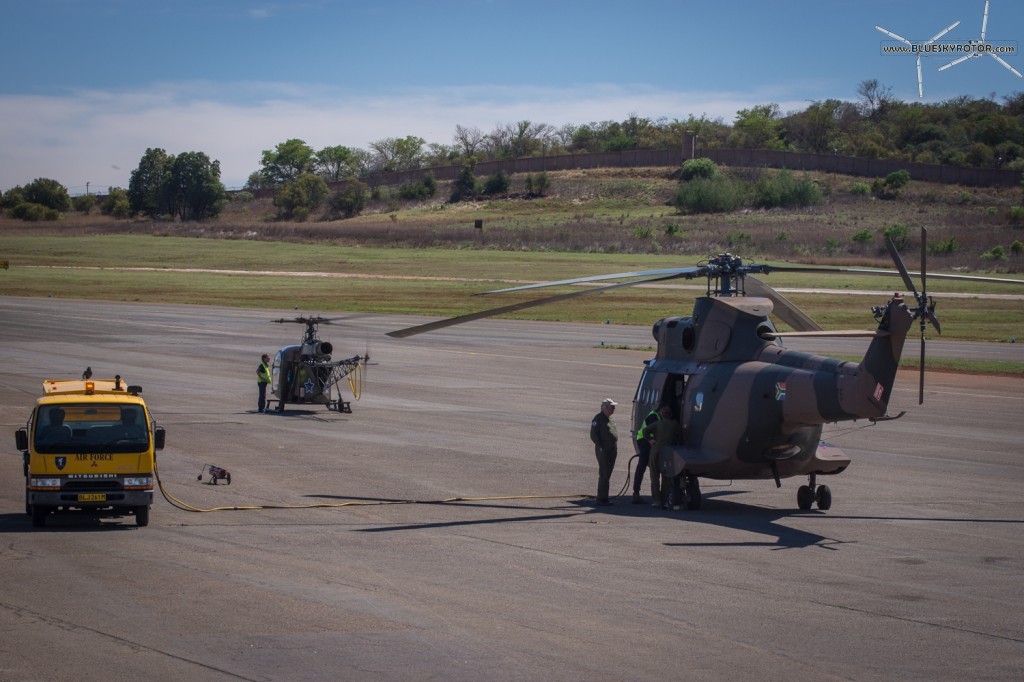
823	496
691	493
805	497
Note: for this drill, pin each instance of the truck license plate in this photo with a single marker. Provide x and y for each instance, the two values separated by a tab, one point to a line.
92	497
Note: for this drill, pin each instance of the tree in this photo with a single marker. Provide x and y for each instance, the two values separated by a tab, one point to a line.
84	203
394	154
116	204
698	168
13	197
255	182
468	140
537	185
757	128
520	139
48	193
362	161
464	186
439	155
300	197
194	186
286	162
497	183
349	200
335	163
815	128
147	185
875	97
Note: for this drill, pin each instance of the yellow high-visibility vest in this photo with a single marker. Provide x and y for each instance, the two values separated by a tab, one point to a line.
263	374
640	432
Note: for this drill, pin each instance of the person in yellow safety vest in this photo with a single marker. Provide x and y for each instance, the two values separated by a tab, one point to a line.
262	381
643	453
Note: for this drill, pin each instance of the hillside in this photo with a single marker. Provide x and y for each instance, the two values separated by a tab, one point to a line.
626	211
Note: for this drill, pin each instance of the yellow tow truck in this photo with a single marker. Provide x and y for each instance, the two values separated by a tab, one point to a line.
89	446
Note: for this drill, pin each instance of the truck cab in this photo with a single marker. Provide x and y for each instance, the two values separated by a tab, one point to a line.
90	447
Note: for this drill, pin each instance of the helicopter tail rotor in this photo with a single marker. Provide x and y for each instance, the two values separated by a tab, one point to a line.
925	309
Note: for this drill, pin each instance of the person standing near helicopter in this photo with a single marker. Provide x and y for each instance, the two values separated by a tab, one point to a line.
604	434
262	381
663	434
643	452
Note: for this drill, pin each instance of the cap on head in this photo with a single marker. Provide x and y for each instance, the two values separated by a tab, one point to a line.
608	402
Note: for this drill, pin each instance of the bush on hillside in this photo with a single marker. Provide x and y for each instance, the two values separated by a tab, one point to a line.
708	195
698	168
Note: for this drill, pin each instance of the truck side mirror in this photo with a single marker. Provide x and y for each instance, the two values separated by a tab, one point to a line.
21	439
158	438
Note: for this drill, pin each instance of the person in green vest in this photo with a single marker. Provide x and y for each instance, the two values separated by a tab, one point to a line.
262	381
643	453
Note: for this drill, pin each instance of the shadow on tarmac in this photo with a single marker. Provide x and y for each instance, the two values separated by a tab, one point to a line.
65	522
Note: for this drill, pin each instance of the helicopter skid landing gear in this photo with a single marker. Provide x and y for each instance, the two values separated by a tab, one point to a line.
808	494
342	406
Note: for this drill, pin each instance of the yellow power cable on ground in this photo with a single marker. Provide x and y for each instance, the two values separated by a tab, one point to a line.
355	381
175	502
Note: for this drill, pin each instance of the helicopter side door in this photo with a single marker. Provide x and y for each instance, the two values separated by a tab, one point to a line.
658	388
277	373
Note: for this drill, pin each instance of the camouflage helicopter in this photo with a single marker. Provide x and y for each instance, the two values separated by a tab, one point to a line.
305	374
751	408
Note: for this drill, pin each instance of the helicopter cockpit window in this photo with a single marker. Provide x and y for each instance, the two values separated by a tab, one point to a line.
93	427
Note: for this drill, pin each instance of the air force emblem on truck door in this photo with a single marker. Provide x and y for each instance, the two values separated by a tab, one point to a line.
60	462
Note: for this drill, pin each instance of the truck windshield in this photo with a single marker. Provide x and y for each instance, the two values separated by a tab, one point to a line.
90	427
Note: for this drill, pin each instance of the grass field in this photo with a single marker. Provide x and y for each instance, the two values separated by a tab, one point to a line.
426	258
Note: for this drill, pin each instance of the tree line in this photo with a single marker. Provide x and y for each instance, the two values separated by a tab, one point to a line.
963	131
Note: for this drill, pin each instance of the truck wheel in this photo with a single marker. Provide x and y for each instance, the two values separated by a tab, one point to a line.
142	516
39	516
28	505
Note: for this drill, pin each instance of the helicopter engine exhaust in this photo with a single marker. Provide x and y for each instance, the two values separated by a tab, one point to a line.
318	349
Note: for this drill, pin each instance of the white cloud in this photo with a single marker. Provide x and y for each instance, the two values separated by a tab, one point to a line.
99	137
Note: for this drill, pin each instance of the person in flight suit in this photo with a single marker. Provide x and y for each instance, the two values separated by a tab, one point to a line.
663	434
604	435
262	381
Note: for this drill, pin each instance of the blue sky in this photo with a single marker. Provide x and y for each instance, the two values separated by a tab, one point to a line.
89	86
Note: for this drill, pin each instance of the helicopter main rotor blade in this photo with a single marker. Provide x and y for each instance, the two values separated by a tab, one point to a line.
944	32
956	61
895	254
1002	61
785	309
451	321
689	273
839	333
894	35
768	269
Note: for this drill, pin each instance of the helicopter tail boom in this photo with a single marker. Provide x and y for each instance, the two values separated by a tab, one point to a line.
877	371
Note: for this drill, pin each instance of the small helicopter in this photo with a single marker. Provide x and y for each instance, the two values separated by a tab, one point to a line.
751	408
305	374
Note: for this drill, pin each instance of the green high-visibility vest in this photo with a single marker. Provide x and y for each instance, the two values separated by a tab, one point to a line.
264	373
640	432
